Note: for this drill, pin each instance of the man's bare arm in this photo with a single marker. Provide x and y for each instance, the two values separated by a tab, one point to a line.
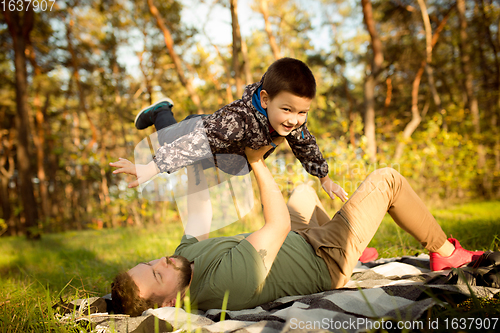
267	241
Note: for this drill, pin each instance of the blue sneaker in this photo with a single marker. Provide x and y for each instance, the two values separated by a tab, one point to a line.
146	117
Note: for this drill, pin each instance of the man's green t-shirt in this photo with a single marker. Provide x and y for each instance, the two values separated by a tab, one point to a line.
232	263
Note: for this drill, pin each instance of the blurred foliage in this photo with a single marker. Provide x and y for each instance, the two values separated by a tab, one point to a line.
93	64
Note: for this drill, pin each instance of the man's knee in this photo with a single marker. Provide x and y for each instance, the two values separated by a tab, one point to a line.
386	172
303	191
303	187
385	175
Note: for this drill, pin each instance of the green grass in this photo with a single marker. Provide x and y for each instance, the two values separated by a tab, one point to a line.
70	265
34	275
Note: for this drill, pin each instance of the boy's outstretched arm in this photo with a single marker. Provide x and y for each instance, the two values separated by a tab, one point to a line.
305	148
143	172
333	189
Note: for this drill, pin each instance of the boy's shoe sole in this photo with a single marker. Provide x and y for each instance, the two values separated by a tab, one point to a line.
458	258
142	122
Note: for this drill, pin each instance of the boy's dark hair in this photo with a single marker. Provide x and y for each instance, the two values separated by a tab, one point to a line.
125	297
292	75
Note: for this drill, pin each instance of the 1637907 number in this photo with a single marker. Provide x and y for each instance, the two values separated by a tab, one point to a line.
24	5
470	323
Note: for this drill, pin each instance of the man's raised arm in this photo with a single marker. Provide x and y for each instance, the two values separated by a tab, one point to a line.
268	240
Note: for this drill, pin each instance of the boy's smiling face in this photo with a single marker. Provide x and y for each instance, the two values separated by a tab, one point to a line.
285	111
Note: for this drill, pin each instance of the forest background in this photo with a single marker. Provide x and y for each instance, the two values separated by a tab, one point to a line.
412	84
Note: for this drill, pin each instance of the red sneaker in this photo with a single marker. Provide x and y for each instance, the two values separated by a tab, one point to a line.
458	258
368	254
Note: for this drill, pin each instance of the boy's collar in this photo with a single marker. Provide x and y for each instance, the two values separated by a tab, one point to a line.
256	101
258	106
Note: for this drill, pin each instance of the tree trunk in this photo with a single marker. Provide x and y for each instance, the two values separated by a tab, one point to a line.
6	209
388	95
415	116
227	70
371	80
495	114
246	63
466	67
81	93
6	174
369	117
147	82
75	208
20	27
428	52
169	43
40	147
468	80
350	113
83	192
431	41
264	9
486	25
237	64
39	138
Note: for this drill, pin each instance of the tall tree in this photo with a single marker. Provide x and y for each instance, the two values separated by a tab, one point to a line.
371	79
237	53
75	62
39	138
227	71
185	81
264	9
487	14
246	62
431	41
428	51
20	24
465	60
6	172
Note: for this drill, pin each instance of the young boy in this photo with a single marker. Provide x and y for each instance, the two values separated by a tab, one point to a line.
270	110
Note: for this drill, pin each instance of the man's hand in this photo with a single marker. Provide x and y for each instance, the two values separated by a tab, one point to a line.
331	188
254	156
141	171
257	155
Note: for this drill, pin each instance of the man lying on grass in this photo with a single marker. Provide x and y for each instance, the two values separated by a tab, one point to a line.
299	250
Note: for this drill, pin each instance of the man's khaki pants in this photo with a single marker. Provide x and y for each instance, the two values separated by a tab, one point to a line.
341	240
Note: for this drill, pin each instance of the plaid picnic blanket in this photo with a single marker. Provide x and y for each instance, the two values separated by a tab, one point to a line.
382	294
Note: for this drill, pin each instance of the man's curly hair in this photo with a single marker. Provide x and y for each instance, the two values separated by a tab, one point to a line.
126	299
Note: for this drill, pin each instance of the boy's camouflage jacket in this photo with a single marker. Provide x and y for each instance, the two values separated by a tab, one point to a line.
228	131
